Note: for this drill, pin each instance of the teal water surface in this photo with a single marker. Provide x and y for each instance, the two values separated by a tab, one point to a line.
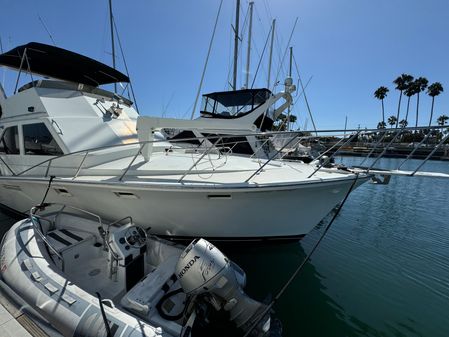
382	269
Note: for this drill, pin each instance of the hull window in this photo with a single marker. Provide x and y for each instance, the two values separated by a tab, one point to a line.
9	143
39	141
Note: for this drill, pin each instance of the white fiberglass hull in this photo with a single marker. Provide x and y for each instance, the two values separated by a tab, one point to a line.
246	213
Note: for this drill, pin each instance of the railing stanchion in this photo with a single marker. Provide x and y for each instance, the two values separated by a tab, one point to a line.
333	154
430	154
272	157
385	149
10	170
48	168
414	150
80	166
132	161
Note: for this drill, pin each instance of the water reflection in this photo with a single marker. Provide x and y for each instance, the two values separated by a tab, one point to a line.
305	309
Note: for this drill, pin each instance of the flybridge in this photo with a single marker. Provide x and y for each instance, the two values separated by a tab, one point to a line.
50	61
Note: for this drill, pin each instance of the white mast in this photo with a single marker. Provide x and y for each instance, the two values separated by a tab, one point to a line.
248	52
236	44
271	52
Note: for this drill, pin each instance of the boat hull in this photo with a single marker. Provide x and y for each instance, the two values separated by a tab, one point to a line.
27	271
247	213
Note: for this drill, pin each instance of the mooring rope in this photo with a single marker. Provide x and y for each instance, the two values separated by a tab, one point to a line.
303	263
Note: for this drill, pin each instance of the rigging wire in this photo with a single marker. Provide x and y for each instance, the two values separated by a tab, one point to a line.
261	57
305	260
285	53
125	64
46	29
305	96
264	32
207	60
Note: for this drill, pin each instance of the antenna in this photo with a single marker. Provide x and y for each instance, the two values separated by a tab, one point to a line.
46	29
111	18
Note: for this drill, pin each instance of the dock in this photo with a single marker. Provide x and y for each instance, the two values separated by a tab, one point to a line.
16	323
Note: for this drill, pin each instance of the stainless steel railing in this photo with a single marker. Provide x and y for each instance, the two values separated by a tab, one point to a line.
215	143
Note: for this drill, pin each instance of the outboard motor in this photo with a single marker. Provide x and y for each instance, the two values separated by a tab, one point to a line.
203	269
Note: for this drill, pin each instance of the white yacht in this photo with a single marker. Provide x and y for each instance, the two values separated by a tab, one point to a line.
67	139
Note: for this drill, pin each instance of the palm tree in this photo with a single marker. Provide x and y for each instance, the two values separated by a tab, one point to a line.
434	90
392	120
409	92
442	120
421	85
381	93
403	123
381	125
402	82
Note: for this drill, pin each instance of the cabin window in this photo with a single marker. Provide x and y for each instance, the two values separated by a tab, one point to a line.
39	141
9	144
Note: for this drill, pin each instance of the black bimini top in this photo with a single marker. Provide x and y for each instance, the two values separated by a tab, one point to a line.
240	97
62	64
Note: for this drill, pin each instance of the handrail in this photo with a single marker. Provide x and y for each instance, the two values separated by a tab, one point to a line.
80	166
271	158
333	154
430	154
296	137
375	146
385	149
107	147
414	150
132	161
10	170
34	216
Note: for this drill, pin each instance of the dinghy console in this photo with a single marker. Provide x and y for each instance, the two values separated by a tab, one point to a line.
127	245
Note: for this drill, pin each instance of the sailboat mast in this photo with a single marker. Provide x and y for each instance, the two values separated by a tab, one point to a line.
271	53
236	44
248	52
111	18
289	75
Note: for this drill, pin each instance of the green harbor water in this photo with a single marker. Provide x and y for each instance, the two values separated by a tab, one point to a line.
382	269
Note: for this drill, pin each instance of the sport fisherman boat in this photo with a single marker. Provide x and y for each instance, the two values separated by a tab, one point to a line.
88	278
87	147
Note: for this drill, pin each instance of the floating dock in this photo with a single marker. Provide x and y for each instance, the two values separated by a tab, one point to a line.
14	322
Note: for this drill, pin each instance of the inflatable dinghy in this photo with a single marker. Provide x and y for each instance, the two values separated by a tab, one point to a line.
88	278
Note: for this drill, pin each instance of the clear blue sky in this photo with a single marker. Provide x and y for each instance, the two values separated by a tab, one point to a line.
349	47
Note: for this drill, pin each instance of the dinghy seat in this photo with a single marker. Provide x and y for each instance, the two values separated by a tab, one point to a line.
64	239
145	295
